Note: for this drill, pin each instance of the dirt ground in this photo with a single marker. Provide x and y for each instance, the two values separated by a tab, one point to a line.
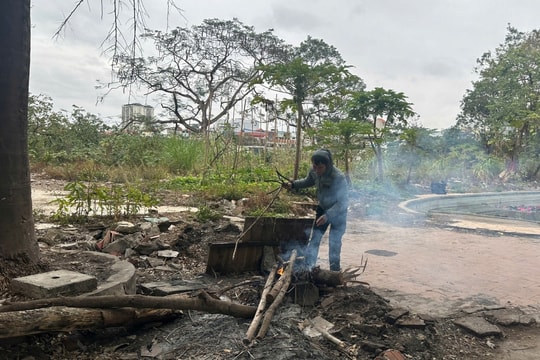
361	314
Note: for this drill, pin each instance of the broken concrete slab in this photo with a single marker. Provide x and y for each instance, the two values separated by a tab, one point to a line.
478	326
427	318
123	281
53	284
164	288
162	223
395	314
125	227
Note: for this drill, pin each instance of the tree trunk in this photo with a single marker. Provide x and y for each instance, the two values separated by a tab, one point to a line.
299	118
17	238
347	157
379	155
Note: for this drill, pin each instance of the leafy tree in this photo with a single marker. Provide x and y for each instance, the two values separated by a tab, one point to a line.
311	76
345	138
55	137
46	128
416	145
85	131
503	108
384	110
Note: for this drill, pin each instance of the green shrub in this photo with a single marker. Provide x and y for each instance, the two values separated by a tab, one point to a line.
115	200
206	213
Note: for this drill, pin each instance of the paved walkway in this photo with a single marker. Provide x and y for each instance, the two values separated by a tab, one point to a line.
439	271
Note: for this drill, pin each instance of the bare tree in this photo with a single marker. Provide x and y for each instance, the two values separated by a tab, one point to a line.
202	71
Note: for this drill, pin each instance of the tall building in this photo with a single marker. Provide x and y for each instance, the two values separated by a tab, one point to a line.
132	114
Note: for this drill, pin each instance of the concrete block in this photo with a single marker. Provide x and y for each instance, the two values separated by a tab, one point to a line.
54	283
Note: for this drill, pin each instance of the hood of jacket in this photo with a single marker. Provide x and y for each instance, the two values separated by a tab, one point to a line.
323	156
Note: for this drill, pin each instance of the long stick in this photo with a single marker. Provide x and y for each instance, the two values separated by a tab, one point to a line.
272	309
250	334
273	293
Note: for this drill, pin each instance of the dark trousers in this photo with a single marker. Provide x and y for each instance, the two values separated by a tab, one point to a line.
337	229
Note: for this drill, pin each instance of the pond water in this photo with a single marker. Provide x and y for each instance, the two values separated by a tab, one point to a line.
519	206
521	211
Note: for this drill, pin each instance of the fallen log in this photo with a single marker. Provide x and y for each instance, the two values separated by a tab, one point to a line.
92	312
201	302
62	319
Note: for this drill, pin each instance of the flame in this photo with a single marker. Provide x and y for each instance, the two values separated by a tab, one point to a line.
280	271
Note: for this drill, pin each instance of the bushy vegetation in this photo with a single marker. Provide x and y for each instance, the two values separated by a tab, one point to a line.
113	173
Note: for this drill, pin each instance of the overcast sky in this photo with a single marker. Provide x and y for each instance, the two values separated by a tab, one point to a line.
426	49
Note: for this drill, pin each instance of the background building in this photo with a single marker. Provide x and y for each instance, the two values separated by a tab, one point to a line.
135	115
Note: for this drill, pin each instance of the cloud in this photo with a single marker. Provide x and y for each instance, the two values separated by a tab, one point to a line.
426	49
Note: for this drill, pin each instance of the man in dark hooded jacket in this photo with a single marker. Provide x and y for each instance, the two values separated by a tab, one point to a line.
332	194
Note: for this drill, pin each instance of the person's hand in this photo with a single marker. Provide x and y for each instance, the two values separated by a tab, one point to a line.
287	185
321	220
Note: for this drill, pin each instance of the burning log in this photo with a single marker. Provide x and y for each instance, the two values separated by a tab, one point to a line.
287	276
274	291
335	278
339	278
327	277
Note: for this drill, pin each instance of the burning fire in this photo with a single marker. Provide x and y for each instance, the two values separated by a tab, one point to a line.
280	271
